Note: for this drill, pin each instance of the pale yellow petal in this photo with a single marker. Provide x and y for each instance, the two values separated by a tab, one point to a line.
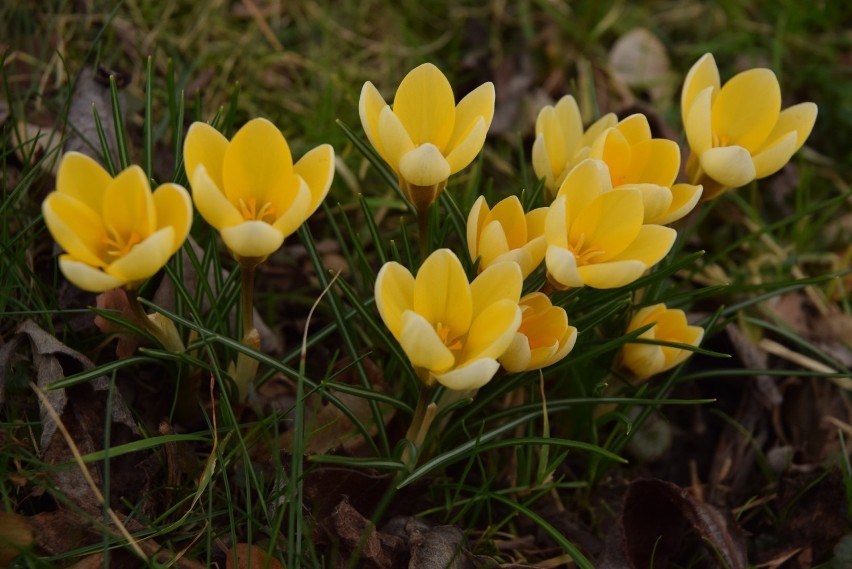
799	118
491	331
652	243
747	109
562	266
128	206
656	200
146	258
635	128
370	105
84	276
684	199
211	202
543	165
394	295
570	124
655	161
771	159
395	139
316	168
82	178
535	222
470	377
475	220
614	150
422	344
609	120
517	356
493	243
442	293
77	229
586	181
204	145
644	360
297	211
556	224
609	223
253	239
531	255
500	281
510	214
731	166
646	315
476	105
174	209
703	75
698	123
611	275
257	164
426	106
424	166
468	147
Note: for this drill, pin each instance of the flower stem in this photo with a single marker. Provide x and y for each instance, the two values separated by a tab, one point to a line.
423	233
424	414
247	298
245	369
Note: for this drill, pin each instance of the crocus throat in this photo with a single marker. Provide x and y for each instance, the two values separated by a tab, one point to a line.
454	344
116	244
583	257
250	211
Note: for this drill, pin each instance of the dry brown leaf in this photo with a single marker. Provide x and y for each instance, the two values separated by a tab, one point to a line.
250	556
639	60
347	529
92	90
34	142
15	536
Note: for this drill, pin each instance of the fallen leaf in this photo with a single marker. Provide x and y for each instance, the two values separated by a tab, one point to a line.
15	536
250	556
353	534
639	60
92	90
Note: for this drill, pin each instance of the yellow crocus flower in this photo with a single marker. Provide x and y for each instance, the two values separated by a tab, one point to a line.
595	235
669	325
650	165
560	141
737	132
250	190
425	137
543	338
115	231
451	330
506	233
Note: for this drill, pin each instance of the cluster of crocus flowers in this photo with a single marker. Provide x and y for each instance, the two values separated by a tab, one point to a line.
596	234
544	337
426	137
115	232
667	325
737	132
250	190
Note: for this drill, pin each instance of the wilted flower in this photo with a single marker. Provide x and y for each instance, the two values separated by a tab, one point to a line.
506	233
738	133
250	190
560	142
669	325
451	330
115	232
544	337
595	235
650	165
426	137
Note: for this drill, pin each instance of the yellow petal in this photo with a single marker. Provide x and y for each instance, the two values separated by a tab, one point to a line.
570	124
82	178
424	166
467	149
510	214
257	164
553	135
703	75
476	105
611	275
394	295
316	168
500	281
253	239
655	161
296	212
77	229
556	224
493	243
698	123
684	199
491	331
562	266
204	145
613	148
773	158
128	206
747	108
422	344
644	360
566	344
646	315
586	181
86	277
535	220
609	120
370	105
475	220
655	199
609	223
543	165
211	202
442	293
395	139
799	118
517	356
530	255
635	128
426	106
470	377
174	209
652	243
146	258
731	166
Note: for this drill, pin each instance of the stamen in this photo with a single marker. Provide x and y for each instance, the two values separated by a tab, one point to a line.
250	211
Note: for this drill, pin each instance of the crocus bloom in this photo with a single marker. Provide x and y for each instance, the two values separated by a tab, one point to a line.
426	137
250	190
595	235
560	141
451	330
544	337
738	133
669	325
115	231
506	233
648	164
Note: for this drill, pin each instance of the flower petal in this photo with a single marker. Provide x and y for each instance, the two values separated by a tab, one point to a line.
556	224
424	166
684	199
747	109
586	181
475	220
552	132
394	295
773	158
469	377
467	149
316	168
543	165
517	356
426	106
174	209
77	229
491	331
204	145
652	243
655	161
211	202
698	123
731	166
476	105
146	258
635	128
257	164
493	243
609	223
84	276
703	74
370	105
128	206
800	118
500	281
253	239
422	344
395	139
81	177
562	267
297	211
655	199
442	293
611	275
